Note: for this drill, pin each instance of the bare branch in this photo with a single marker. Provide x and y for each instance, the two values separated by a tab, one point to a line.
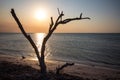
63	66
81	15
51	29
58	21
72	19
60	13
18	22
25	34
51	25
59	17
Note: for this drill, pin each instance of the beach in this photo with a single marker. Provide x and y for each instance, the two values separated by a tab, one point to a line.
89	72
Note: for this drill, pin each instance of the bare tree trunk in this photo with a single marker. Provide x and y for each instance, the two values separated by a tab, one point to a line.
42	60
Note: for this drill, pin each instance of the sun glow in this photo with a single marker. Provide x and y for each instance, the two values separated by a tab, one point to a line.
40	14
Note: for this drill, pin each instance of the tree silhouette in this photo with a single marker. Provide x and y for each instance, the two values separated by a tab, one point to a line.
52	28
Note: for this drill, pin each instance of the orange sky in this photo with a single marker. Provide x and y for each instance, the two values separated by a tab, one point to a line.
104	15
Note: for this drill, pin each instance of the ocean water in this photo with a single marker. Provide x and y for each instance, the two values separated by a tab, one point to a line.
90	49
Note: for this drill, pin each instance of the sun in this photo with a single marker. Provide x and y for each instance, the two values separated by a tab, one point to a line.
40	14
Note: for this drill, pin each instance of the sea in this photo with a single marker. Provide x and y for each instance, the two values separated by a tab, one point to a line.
96	49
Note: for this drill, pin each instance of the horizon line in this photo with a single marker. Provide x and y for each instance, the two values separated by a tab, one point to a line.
66	32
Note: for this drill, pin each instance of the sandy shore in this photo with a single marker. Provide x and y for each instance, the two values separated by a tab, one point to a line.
85	71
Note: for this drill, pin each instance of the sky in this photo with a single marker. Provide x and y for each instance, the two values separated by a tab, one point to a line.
104	14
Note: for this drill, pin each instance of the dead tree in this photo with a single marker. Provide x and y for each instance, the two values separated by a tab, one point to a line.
52	28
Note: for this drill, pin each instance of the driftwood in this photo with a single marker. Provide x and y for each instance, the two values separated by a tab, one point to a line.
52	27
62	67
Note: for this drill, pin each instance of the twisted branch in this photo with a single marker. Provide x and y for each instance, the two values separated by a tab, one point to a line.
60	21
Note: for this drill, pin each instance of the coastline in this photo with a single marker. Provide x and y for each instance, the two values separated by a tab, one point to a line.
81	70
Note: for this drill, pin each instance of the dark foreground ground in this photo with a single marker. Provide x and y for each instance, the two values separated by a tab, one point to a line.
11	71
15	68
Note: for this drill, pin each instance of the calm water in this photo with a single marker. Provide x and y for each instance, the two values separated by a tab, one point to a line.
90	49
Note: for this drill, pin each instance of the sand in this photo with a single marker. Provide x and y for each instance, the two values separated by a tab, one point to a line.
84	71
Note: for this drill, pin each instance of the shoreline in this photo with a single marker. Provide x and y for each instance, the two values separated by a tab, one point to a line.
93	64
57	62
81	70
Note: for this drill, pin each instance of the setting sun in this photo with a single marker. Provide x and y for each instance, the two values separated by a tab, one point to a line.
40	14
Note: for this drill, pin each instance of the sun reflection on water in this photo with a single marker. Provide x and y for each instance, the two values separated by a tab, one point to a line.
38	38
